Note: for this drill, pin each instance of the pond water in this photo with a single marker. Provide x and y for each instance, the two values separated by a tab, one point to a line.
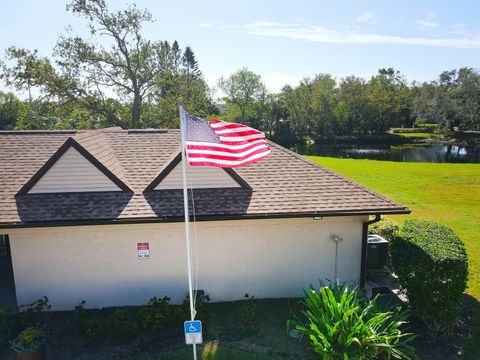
435	153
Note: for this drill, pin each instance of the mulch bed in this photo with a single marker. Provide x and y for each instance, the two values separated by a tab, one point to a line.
270	339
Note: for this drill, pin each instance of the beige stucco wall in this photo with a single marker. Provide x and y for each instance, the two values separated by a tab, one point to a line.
265	258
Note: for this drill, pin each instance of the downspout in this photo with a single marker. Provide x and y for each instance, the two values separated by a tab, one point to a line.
363	262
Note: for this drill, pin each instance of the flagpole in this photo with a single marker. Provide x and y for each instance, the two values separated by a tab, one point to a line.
187	219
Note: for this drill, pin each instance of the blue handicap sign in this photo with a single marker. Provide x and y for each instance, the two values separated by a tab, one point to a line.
193	327
193	332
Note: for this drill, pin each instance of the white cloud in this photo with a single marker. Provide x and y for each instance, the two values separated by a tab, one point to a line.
425	24
206	25
368	17
322	34
428	22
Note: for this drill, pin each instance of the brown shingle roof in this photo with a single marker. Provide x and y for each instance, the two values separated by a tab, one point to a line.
283	184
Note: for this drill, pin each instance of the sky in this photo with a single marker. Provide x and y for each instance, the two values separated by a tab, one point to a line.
283	41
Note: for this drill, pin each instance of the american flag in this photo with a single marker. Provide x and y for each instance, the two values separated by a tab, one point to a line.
223	144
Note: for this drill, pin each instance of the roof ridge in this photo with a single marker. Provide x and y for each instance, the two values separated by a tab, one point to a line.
39	132
330	171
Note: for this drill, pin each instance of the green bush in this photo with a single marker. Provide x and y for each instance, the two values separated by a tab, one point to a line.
36	312
249	313
157	314
123	323
432	266
340	324
90	327
386	228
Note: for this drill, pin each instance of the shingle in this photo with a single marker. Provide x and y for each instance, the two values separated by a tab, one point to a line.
283	184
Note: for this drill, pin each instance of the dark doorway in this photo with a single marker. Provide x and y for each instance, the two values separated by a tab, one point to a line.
7	283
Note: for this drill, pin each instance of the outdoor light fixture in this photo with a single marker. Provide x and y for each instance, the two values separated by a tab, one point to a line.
317	218
337	239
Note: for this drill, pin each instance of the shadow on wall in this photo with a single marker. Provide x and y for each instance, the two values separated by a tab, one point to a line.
72	206
169	203
105	295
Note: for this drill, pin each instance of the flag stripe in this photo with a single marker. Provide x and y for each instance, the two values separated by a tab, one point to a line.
233	145
229	152
213	146
226	163
232	157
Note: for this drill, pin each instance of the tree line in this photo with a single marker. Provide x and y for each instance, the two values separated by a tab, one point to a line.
323	106
118	78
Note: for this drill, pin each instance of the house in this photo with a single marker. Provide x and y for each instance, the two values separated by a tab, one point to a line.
98	216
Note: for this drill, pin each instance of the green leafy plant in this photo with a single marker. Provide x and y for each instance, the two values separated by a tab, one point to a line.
341	324
204	309
36	312
90	327
432	266
386	228
123	323
249	313
7	325
29	340
156	315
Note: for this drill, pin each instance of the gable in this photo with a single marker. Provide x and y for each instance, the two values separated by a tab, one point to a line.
72	172
198	177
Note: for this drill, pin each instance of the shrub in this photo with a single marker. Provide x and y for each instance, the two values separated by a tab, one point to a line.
36	312
203	308
123	324
156	315
91	328
431	263
7	325
386	228
249	313
342	325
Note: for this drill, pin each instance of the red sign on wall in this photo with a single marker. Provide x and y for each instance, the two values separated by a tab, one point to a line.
143	250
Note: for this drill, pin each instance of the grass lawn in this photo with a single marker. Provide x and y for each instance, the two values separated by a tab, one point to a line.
445	193
421	135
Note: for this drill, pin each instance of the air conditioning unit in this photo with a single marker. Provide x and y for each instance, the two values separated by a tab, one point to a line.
377	252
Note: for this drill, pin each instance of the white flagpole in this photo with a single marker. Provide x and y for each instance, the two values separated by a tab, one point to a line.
187	218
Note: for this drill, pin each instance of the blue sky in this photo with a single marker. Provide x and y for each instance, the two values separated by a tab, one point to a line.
285	41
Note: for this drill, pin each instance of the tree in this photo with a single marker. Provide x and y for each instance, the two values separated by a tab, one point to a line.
243	88
86	72
390	97
11	108
353	93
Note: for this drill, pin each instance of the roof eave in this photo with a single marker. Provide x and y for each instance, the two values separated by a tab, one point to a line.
87	222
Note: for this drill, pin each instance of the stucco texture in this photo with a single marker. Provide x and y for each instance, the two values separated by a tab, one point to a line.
266	258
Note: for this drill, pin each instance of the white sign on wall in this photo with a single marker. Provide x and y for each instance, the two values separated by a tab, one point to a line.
143	250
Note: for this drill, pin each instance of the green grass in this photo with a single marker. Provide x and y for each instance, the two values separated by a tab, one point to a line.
421	135
445	193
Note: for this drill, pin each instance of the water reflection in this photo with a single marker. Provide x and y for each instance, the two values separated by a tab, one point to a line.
436	153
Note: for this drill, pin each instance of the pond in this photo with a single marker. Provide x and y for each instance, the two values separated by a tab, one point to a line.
435	153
